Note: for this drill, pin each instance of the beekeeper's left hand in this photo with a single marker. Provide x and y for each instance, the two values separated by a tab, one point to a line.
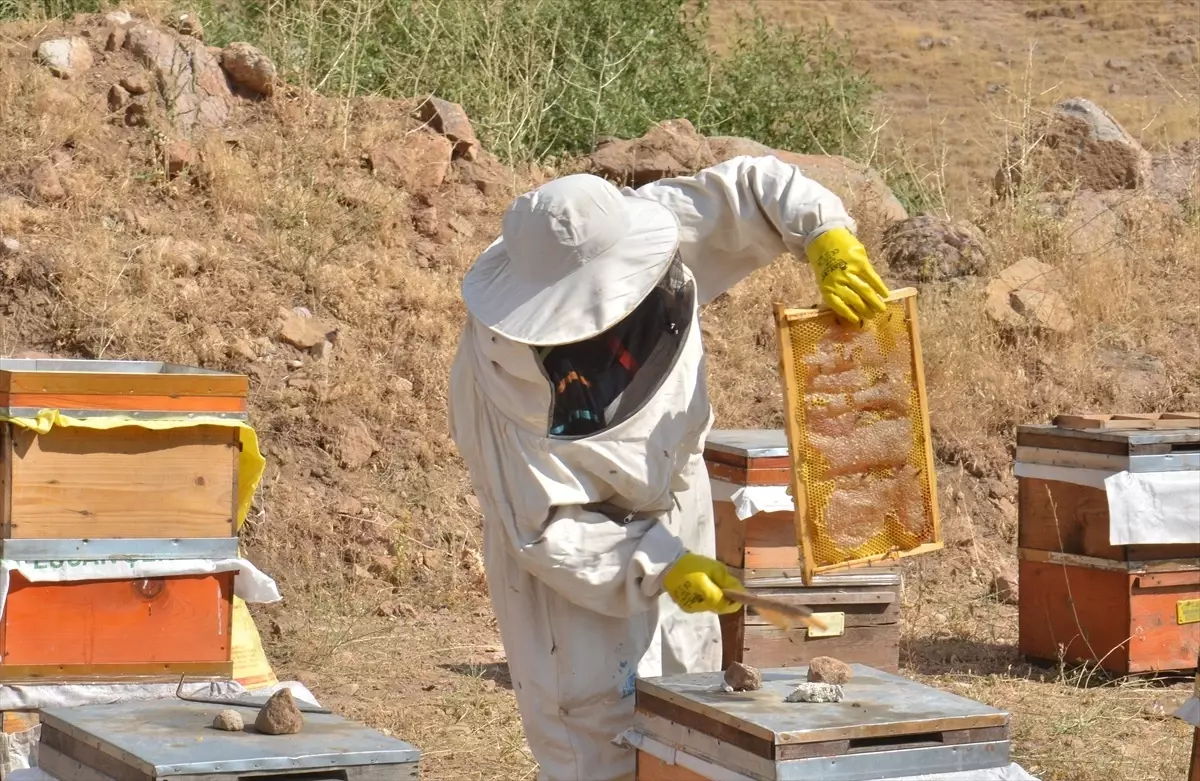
847	279
695	583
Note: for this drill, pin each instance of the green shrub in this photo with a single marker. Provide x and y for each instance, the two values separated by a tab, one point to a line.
542	78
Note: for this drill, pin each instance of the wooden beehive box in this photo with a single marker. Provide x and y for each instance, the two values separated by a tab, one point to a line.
861	607
1131	608
857	428
128	491
117	630
686	729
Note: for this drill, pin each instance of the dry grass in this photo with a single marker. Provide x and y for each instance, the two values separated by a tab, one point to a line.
385	615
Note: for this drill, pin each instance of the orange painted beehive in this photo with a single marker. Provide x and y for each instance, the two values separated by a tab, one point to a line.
117	630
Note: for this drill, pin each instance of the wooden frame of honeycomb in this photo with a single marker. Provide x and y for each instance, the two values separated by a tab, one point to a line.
857	423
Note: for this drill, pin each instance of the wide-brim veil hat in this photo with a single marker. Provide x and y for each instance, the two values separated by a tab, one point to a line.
575	256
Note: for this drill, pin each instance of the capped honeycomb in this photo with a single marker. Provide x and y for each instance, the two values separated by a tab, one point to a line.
859	436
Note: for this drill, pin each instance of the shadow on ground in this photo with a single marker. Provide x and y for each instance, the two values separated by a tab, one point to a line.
496	671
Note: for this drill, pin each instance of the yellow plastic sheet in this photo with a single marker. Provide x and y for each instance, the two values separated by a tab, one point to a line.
250	666
250	464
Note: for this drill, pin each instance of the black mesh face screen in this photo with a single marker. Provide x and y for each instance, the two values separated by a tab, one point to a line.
599	382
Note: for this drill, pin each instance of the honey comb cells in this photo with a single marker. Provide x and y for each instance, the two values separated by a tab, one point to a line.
859	434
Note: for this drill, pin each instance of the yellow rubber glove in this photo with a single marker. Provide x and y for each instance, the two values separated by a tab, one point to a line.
695	583
845	276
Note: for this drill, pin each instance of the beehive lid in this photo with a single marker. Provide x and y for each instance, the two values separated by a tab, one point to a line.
1115	441
876	705
748	443
84	387
166	738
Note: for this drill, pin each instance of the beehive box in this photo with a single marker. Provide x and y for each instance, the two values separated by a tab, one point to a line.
117	630
857	426
75	491
861	608
1086	596
172	740
886	727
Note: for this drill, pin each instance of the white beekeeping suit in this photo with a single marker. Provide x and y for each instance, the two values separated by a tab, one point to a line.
584	532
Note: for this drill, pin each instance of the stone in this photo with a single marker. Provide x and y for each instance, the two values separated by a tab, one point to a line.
118	98
1005	588
1045	310
67	58
417	164
118	18
1028	274
1078	147
137	114
302	330
816	692
485	171
45	184
192	82
1087	221
181	157
743	677
136	83
930	249
826	669
450	120
190	25
671	148
243	348
9	247
862	188
1182	56
355	446
280	716
426	221
925	43
1175	173
229	721
115	40
249	68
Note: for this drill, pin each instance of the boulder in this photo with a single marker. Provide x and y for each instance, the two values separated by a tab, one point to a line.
671	148
1079	146
136	83
280	716
356	445
1025	295
301	330
189	77
450	120
929	249
249	68
675	149
417	164
66	58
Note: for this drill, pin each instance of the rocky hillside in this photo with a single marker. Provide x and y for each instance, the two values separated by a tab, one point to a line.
163	199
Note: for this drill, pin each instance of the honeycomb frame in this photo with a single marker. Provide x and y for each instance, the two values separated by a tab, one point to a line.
798	331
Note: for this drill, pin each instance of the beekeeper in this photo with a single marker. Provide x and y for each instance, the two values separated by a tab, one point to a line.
578	401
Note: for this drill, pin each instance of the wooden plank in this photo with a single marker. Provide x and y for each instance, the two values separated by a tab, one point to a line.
91	761
771	541
1138	421
742	476
1159	642
857	613
891	556
63	768
848	747
6	462
128	482
1051	441
686	717
651	768
918	368
713	456
791	425
77	628
873	646
126	384
1194	771
730	534
78	401
1080	612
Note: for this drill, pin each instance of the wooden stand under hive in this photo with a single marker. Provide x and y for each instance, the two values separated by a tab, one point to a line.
1094	587
860	608
73	494
857	423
